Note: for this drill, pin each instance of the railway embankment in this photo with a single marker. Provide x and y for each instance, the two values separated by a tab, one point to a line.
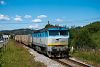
14	55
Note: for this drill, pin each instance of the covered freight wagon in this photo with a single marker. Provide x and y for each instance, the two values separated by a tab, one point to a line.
25	39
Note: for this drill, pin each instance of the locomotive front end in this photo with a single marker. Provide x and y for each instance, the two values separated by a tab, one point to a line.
58	42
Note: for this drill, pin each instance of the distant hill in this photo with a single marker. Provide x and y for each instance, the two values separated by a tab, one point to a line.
17	31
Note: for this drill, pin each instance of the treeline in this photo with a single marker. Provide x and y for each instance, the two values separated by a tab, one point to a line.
84	37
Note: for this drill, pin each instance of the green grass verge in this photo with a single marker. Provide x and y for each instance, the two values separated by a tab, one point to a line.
14	55
90	57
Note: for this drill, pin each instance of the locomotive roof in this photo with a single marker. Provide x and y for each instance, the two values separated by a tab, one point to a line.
51	28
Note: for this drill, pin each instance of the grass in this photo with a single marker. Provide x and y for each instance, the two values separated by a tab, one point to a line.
91	57
14	55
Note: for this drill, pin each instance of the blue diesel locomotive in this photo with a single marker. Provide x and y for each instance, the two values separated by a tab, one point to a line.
51	41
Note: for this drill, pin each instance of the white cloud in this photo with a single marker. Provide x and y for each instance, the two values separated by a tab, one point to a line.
37	20
4	17
27	16
34	26
18	18
42	16
59	20
2	2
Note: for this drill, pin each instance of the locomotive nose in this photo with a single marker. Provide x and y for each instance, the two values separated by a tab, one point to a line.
57	41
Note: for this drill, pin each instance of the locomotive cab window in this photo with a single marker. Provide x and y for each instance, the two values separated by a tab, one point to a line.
63	32
53	33
58	33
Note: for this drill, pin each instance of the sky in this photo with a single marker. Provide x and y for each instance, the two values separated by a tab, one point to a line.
35	14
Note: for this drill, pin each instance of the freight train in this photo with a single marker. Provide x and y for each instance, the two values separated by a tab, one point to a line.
51	41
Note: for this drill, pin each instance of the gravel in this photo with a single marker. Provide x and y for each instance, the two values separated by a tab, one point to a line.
41	58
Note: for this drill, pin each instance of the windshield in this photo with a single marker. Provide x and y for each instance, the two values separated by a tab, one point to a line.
57	32
64	32
53	32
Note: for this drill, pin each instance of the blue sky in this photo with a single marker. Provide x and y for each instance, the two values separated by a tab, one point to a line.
15	14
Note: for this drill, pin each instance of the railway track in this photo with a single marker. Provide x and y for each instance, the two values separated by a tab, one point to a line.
72	63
